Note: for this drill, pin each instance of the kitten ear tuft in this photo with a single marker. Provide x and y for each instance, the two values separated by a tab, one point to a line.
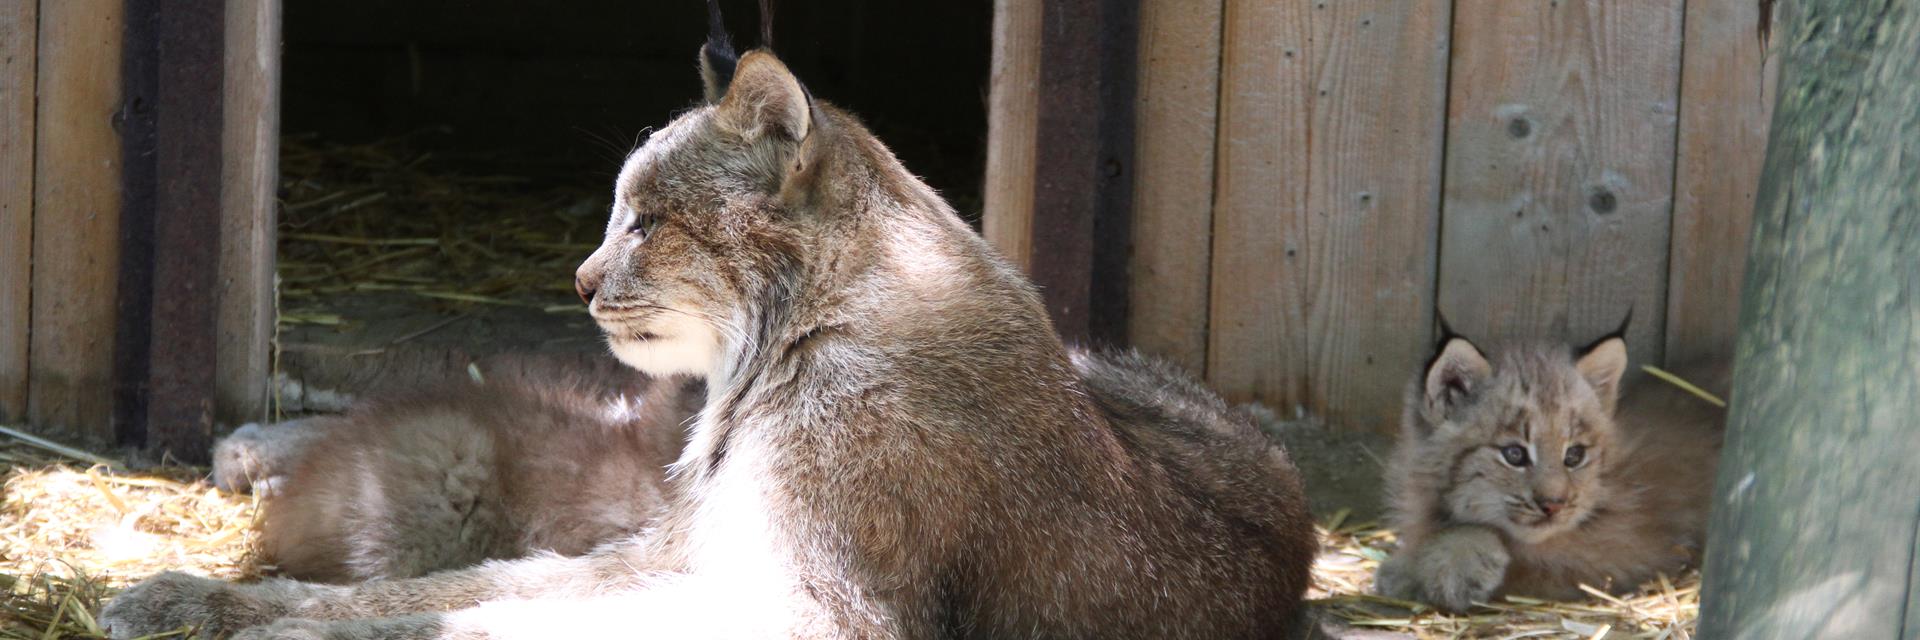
1455	374
765	100
1603	365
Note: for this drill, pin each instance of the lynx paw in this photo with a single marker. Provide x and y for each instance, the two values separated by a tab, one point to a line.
287	629
172	601
1452	571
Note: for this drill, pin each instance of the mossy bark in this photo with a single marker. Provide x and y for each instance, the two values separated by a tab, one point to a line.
1818	502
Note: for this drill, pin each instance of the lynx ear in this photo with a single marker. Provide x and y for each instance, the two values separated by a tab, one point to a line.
1602	365
765	100
1455	375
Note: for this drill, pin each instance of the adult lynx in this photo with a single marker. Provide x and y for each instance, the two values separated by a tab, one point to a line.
1519	472
893	443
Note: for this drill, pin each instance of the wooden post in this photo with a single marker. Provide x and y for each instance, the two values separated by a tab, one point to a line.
1083	163
1815	531
249	178
1013	97
19	24
76	197
186	230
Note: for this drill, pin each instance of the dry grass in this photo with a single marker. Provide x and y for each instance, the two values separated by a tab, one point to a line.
1343	584
386	217
73	532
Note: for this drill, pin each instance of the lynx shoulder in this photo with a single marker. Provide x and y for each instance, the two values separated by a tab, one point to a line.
1528	469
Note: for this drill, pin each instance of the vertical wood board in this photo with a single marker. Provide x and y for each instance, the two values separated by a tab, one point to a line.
251	141
1256	334
1012	106
1373	203
76	217
1176	108
19	25
1330	148
1726	100
188	161
1559	170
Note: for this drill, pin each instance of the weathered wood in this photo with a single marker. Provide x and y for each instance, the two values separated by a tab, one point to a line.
1815	522
76	217
19	24
1559	172
186	230
1083	158
1726	98
251	139
1176	109
1013	101
1327	202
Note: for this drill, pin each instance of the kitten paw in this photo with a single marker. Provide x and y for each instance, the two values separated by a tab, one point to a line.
1452	571
172	601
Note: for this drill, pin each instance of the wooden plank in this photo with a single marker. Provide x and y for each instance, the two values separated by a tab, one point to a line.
76	221
1328	198
1083	140
252	143
1726	99
186	232
1176	115
1013	101
19	26
1559	172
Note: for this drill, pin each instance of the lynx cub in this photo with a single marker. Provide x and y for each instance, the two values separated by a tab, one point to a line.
1518	474
455	474
893	443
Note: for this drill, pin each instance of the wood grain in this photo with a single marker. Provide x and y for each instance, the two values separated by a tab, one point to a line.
19	22
1726	100
1326	203
76	221
251	140
1176	116
1559	172
1012	112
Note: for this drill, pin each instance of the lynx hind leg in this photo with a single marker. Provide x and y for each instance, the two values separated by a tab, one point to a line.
1452	570
258	457
399	499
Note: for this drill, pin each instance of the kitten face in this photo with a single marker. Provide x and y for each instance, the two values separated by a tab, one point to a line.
1520	442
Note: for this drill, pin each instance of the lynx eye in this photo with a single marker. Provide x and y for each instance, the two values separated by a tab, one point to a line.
1576	454
644	224
1514	455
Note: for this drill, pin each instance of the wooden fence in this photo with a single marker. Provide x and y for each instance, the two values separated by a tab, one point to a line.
137	169
1311	179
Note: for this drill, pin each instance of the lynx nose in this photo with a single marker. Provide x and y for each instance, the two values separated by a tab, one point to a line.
1550	506
585	288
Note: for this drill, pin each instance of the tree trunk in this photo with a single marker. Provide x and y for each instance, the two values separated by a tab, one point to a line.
1817	508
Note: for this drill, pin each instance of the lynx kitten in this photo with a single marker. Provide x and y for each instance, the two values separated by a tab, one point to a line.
1518	474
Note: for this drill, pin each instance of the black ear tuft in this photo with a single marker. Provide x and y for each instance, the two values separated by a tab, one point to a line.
766	24
717	59
1619	333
